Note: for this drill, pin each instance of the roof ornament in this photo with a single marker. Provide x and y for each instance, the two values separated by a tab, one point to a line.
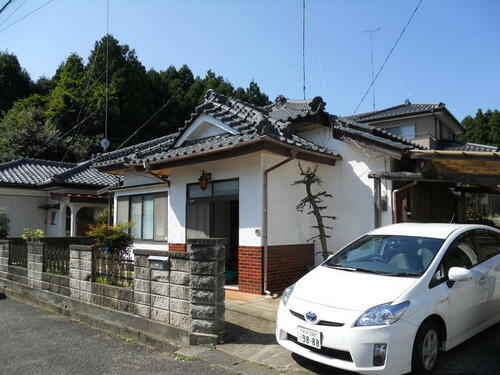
407	102
280	101
317	104
211	94
263	125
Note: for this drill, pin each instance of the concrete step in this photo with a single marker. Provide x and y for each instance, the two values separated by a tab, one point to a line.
258	315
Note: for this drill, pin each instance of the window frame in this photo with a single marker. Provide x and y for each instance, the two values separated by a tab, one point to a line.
476	243
208	199
128	197
471	234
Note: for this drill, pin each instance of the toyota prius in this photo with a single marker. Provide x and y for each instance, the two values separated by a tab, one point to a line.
390	301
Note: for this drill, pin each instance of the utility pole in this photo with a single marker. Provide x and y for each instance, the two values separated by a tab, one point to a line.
304	47
371	31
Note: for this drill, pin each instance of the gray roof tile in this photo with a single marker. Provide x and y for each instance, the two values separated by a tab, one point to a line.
407	108
249	120
39	172
465	146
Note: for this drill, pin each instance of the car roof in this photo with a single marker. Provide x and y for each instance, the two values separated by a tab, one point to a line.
430	230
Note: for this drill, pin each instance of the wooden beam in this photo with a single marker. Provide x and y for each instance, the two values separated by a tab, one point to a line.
455	155
448	178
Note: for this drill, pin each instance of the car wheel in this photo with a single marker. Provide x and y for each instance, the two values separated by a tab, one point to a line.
426	349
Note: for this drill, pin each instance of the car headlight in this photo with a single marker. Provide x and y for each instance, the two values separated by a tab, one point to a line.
287	294
382	315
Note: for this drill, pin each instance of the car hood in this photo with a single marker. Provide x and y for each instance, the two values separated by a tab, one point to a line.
351	290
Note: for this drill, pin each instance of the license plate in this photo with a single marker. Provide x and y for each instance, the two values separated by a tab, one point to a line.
309	337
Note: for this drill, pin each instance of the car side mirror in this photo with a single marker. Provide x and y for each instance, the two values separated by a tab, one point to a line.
459	274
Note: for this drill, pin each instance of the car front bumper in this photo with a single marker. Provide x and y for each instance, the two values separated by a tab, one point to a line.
351	348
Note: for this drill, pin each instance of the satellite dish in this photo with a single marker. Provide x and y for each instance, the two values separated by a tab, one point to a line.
104	144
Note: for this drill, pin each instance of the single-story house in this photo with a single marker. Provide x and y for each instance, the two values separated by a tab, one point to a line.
59	198
230	172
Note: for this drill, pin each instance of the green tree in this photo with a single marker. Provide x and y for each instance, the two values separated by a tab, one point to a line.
484	128
26	132
15	82
66	112
494	125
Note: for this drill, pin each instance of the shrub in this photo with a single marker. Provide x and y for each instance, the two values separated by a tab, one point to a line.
114	239
32	235
4	223
102	217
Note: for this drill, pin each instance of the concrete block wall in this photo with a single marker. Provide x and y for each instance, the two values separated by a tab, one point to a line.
4	258
35	264
80	272
189	294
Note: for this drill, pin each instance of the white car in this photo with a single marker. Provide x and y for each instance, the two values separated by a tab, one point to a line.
388	302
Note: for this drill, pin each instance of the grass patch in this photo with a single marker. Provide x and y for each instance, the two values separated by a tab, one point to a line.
184	358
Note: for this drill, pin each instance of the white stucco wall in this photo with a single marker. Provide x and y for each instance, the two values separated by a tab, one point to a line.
352	189
247	169
21	205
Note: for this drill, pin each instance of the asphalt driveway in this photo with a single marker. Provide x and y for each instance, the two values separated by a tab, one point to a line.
34	342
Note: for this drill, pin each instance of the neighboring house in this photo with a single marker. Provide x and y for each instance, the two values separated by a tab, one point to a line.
431	185
59	198
430	125
247	156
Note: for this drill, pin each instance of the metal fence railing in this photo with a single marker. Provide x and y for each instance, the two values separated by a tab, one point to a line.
18	253
56	260
112	269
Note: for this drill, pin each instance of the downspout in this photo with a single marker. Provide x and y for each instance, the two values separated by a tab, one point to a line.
265	224
394	199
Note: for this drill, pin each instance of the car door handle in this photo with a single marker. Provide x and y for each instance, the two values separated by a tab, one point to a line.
483	280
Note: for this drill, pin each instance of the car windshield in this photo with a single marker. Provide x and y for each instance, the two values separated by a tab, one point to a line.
387	255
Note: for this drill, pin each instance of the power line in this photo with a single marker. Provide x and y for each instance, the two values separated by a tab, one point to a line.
388	55
87	88
26	15
14	12
304	46
6	5
154	115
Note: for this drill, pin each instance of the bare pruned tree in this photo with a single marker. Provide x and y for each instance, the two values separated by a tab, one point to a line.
314	202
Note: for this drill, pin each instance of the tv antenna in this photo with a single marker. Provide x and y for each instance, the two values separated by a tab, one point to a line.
371	31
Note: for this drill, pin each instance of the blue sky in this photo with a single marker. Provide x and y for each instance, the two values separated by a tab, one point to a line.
449	53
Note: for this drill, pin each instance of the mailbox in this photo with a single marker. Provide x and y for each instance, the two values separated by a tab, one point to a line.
158	262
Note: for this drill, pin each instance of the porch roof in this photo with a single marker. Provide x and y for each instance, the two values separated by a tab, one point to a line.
78	198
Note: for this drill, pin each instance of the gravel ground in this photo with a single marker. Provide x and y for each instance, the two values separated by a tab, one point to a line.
35	342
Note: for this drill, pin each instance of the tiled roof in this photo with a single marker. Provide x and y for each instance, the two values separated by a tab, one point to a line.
285	109
465	146
38	172
250	122
346	126
405	109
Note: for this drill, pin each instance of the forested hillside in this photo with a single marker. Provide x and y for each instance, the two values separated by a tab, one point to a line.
62	117
484	128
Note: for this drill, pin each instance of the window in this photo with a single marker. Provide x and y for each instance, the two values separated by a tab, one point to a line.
403	131
388	254
214	189
460	254
148	214
488	244
53	217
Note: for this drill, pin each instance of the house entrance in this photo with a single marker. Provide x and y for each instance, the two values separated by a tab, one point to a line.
214	213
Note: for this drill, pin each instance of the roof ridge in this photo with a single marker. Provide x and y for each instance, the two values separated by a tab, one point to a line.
47	162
